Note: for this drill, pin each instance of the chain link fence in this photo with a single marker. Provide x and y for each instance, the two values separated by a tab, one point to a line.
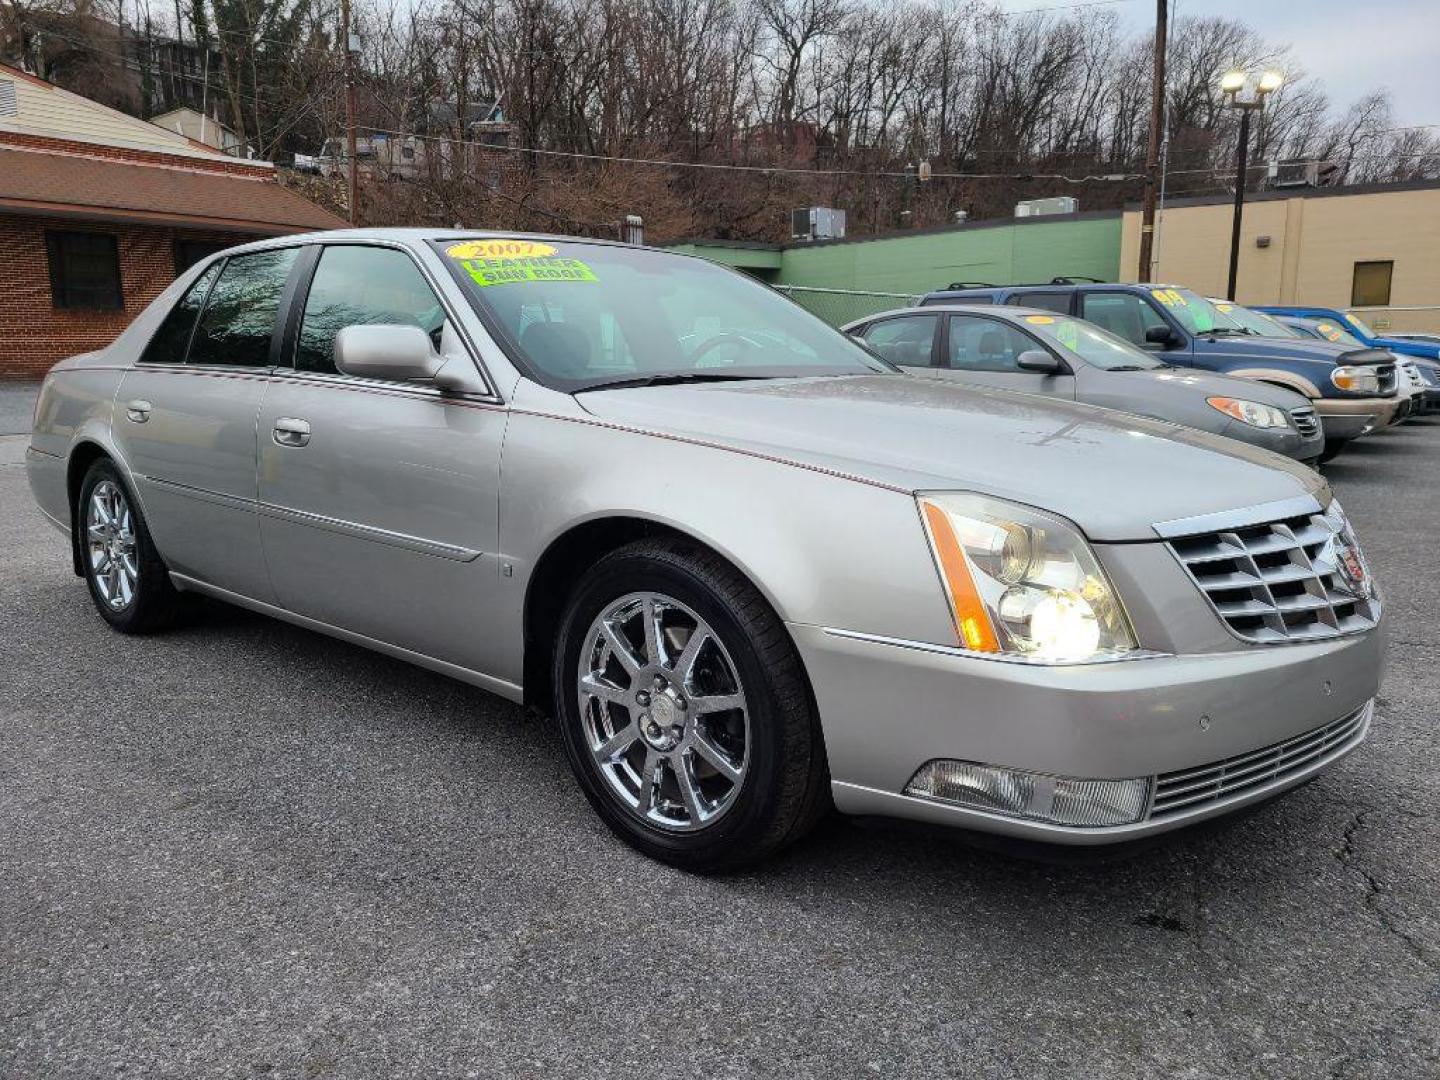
840	306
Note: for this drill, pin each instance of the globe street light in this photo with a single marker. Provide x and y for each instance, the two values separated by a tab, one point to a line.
1232	83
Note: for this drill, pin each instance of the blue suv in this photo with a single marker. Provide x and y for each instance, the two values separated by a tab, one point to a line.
1352	390
1358	328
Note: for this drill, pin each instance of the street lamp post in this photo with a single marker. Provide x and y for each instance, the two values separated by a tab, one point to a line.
1231	85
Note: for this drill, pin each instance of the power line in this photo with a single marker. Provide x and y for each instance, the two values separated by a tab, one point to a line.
721	167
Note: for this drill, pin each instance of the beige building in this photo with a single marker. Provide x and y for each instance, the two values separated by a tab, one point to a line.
1372	249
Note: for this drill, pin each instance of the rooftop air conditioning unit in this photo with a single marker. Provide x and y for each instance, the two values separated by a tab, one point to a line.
1303	174
1063	204
817	223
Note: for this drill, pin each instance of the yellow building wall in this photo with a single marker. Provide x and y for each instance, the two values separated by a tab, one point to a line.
1314	245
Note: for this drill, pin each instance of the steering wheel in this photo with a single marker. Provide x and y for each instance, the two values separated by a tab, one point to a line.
728	337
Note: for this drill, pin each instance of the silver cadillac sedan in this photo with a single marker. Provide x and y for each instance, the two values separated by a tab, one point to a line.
750	569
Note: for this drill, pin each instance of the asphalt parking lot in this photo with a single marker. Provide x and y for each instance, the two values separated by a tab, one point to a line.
244	849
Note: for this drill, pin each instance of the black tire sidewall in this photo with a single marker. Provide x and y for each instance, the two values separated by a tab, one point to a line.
748	821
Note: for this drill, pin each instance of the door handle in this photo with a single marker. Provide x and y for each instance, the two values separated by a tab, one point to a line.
138	411
291	431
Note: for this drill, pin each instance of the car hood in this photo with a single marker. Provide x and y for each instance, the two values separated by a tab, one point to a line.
1192	380
1113	474
1420	349
1323	352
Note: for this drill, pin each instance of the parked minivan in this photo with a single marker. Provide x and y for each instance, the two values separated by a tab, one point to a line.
1354	393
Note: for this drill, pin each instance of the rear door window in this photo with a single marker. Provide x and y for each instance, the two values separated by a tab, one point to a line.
1123	314
173	338
239	319
1046	301
908	341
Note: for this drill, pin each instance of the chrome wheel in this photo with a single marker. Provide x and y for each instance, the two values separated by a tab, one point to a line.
663	711
110	542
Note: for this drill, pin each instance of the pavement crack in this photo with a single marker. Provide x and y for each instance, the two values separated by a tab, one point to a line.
1348	856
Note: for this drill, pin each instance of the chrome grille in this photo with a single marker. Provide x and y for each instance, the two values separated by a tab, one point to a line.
1281	581
1191	789
1305	421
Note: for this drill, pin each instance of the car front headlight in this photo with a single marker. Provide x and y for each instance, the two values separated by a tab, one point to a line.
1023	584
1250	412
1355	380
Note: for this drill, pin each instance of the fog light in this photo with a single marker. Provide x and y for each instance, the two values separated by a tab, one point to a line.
1061	800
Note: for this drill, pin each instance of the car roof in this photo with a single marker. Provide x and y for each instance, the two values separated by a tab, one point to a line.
1008	311
1075	286
413	235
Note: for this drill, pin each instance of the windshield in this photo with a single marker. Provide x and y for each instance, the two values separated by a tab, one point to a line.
1257	322
1095	346
1358	324
1332	331
1194	312
583	315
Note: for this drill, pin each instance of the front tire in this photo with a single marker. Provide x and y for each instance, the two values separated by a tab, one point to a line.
127	580
684	710
1332	447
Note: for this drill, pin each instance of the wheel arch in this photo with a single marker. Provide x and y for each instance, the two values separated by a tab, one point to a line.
561	565
1286	380
83	455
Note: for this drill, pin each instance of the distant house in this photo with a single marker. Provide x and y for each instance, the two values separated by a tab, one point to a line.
100	211
203	129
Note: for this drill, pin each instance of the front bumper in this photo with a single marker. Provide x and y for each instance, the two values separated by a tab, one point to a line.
1349	418
1287	440
888	707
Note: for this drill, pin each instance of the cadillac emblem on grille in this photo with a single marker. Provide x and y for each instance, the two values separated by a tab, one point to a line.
1354	573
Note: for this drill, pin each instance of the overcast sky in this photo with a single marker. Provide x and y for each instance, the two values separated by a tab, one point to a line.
1350	46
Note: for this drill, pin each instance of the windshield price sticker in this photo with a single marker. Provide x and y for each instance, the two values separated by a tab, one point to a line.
504	262
1069	334
1039	320
500	249
488	272
1329	331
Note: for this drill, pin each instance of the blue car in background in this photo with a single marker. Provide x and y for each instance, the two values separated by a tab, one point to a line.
1357	327
1353	391
1427	371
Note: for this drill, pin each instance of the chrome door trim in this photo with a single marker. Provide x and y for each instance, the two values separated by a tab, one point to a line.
508	690
369	532
341	381
235	502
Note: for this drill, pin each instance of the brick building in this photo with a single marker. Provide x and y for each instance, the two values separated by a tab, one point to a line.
100	211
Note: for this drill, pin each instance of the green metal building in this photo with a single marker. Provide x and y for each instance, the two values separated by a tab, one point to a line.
1005	251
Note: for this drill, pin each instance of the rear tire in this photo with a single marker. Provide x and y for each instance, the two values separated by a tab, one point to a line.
127	579
671	667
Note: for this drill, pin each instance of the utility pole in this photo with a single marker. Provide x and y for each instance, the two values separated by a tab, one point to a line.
1152	151
348	43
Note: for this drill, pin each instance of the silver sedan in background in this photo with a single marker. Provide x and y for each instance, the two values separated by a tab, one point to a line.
748	568
1041	352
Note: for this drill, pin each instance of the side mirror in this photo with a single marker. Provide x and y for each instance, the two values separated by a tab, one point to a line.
1038	361
396	353
1160	335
